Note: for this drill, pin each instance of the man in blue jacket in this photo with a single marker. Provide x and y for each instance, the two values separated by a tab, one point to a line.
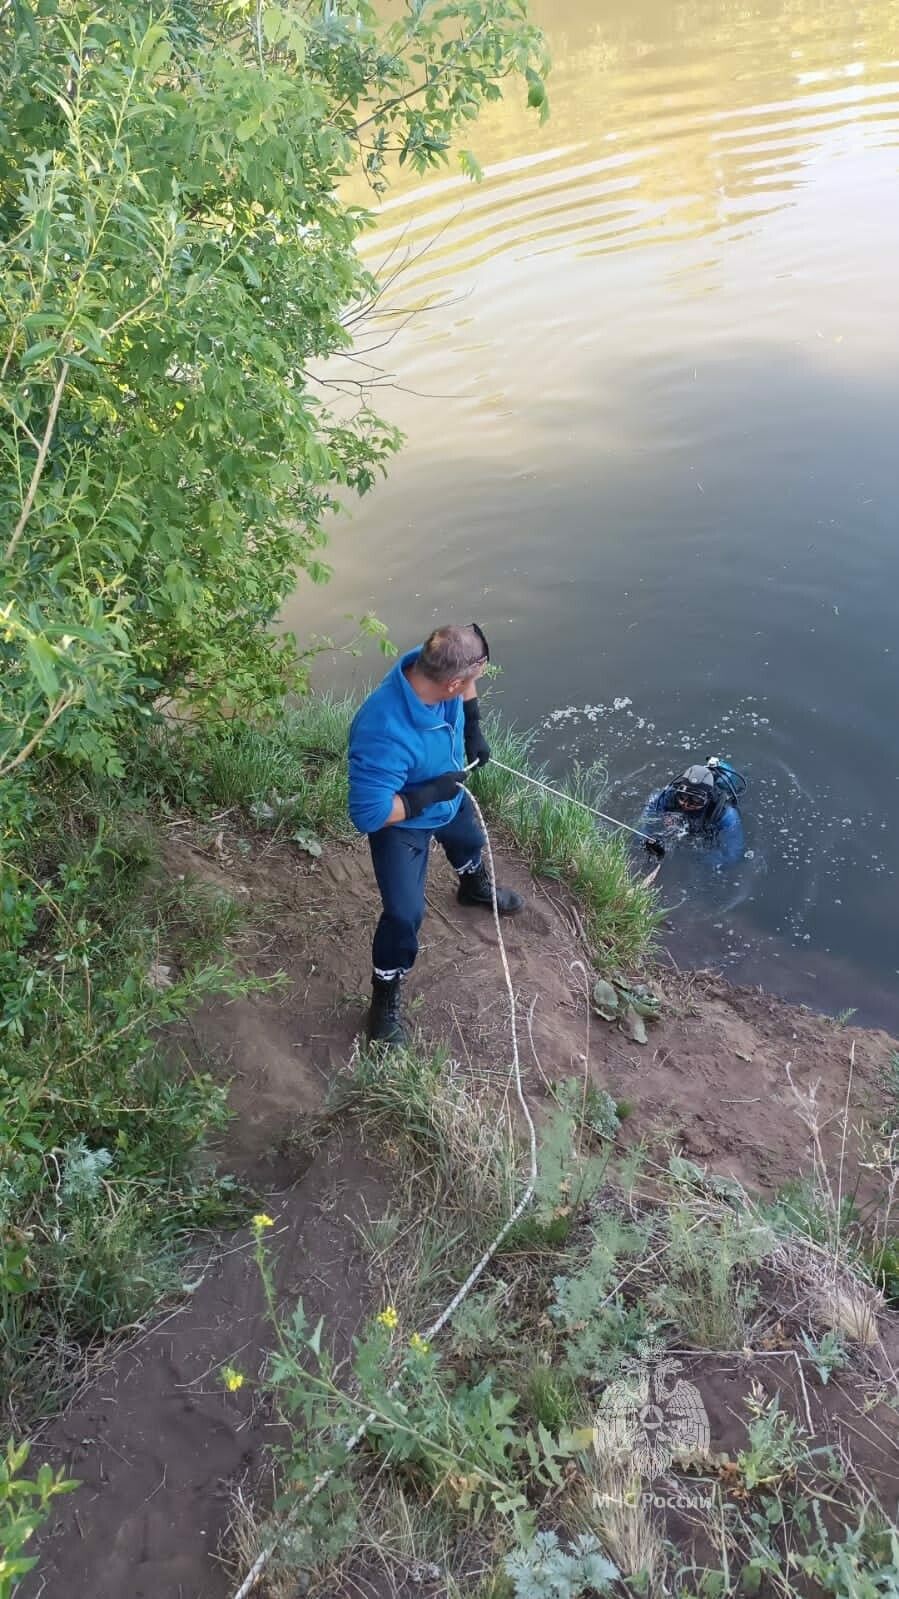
409	744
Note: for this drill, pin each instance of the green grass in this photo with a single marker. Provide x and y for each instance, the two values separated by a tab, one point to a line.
560	841
447	1131
550	1398
297	761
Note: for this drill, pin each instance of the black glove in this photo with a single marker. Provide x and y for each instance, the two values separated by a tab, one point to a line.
476	746
417	799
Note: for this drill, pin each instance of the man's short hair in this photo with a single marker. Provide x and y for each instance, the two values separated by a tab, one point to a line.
450	652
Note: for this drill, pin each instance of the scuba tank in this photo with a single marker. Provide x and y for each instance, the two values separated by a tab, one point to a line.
730	786
728	776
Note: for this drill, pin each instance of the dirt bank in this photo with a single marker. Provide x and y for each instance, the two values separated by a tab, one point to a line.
720	1073
160	1448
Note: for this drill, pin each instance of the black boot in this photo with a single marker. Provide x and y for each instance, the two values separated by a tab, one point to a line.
474	889
385	1022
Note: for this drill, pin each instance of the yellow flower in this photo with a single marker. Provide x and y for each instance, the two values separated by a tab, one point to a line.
232	1379
388	1318
262	1221
419	1344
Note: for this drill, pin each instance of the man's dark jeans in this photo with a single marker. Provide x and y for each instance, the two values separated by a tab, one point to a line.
400	857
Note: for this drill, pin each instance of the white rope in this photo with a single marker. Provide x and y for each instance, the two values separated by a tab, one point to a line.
525	777
262	1559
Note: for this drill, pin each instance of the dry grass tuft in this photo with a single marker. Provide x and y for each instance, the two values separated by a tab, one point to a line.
613	1504
849	1307
823	1291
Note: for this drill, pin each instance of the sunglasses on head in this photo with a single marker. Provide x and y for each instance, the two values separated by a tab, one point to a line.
479	634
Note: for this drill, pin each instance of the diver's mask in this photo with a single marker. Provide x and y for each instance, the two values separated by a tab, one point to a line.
694	791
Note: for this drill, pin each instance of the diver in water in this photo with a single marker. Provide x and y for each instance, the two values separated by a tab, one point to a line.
704	801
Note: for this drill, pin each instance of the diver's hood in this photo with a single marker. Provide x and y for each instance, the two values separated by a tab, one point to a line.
698	777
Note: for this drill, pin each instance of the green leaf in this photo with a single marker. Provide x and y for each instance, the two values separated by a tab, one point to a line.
42	660
44	319
536	93
248	126
471	166
283	27
18	1567
634	1026
37	352
275	24
605	1000
156	49
307	841
549	1453
249	270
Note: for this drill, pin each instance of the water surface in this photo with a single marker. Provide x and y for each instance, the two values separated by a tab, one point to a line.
652	417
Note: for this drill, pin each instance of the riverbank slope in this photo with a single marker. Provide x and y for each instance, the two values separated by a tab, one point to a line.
738	1084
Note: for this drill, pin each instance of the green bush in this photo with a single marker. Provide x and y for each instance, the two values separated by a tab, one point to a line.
708	1282
177	263
597	1325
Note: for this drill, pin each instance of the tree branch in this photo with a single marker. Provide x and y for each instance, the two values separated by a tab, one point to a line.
19	423
40	463
428	83
62	704
14	334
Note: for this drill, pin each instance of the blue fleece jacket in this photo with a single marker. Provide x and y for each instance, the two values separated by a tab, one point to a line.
397	741
726	842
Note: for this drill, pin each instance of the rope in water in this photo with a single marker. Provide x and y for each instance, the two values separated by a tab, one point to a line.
262	1560
569	799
